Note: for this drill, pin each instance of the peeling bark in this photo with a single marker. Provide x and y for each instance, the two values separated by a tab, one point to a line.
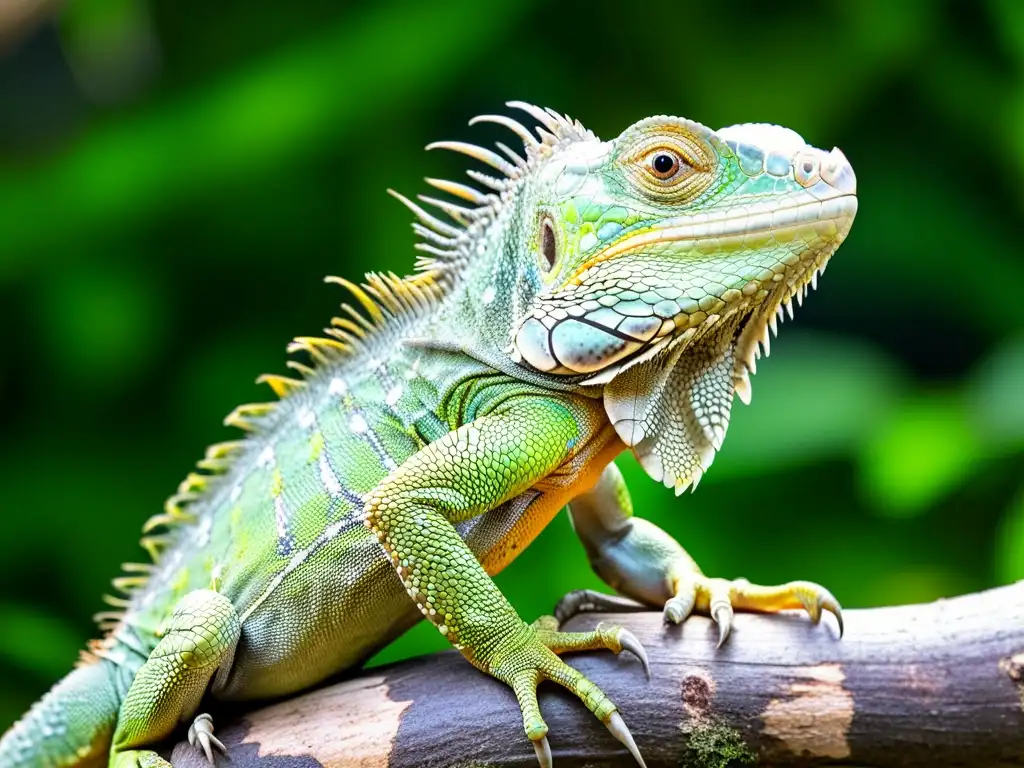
921	685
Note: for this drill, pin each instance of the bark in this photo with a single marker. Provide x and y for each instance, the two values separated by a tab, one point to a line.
930	685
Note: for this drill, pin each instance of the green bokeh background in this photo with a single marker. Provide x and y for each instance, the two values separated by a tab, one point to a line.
176	177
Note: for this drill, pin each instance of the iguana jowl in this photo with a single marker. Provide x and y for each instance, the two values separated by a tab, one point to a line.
588	298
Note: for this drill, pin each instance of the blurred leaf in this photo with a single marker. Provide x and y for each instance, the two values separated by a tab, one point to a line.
816	398
1008	22
101	325
78	513
35	641
904	586
259	118
211	382
912	231
1009	553
925	449
1012	128
995	394
878	37
110	46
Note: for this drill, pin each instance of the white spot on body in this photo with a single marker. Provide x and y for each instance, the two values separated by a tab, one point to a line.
337	388
203	531
394	395
488	295
280	517
328	478
413	370
358	424
266	457
306	418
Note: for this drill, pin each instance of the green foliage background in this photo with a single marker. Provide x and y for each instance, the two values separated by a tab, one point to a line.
176	177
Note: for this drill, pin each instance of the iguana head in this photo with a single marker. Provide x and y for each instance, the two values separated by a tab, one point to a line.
657	263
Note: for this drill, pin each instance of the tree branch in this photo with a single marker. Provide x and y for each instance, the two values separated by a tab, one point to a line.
920	685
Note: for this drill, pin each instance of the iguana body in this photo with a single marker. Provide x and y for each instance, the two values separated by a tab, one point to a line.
598	296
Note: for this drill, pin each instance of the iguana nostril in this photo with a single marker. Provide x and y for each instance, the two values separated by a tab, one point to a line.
838	173
805	168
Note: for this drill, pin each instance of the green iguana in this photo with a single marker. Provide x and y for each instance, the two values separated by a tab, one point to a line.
588	298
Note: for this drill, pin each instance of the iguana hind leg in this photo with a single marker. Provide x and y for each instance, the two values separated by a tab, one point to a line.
199	642
641	561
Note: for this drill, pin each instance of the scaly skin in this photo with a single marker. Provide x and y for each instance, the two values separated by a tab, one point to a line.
598	296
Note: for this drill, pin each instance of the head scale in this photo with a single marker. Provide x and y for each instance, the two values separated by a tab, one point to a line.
656	263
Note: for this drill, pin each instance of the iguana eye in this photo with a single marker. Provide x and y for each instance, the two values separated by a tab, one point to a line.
664	164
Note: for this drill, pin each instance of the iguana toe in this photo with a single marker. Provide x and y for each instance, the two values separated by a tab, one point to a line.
200	734
590	601
524	667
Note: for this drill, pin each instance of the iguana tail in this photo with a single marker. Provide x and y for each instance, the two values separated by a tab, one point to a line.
72	725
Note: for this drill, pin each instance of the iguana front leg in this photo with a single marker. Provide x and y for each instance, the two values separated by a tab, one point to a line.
464	474
639	560
199	642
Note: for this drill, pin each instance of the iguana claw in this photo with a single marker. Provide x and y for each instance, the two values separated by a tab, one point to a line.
723	618
200	734
629	643
543	750
817	600
621	732
721	609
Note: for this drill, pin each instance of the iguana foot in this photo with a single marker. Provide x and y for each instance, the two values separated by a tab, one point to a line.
523	668
721	597
200	734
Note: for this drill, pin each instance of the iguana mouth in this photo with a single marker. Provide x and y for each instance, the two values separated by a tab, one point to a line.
729	230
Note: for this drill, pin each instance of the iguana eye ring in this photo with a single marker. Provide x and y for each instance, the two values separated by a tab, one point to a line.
669	167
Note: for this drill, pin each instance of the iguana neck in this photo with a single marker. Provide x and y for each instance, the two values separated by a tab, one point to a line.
495	285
